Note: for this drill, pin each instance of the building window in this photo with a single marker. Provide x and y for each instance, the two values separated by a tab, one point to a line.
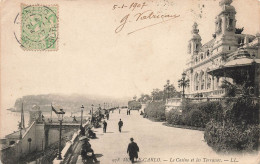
208	53
202	80
196	82
209	83
11	142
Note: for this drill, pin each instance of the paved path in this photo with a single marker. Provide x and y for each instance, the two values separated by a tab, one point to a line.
163	144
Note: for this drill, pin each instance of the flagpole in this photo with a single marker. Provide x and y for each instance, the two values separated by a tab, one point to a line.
22	118
51	112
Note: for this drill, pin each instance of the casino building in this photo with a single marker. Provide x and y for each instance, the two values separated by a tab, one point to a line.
230	55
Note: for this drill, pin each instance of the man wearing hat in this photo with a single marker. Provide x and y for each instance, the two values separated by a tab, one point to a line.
120	124
104	126
133	150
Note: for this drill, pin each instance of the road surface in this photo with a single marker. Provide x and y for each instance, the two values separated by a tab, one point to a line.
158	143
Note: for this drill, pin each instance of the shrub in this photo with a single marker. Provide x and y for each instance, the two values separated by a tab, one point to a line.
242	109
198	114
211	110
231	137
194	118
134	105
156	110
174	117
238	130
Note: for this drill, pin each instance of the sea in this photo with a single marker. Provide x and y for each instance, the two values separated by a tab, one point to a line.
9	120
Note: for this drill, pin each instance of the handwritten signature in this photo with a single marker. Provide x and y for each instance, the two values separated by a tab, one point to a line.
142	16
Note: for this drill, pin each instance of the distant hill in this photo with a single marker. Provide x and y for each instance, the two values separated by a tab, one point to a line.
68	102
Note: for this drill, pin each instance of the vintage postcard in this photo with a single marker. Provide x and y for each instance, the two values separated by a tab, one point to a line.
129	81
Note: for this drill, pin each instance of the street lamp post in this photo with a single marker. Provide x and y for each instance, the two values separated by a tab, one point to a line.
183	80
183	83
92	112
60	118
82	107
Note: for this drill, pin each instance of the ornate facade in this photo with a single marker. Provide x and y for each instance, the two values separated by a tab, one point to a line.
226	44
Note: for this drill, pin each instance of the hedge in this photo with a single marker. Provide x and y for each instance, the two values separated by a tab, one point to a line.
196	114
231	137
174	117
239	128
156	110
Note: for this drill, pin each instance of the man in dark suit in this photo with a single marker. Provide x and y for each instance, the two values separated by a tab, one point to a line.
104	126
133	150
120	124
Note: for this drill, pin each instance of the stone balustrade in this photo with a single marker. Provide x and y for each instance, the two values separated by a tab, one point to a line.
69	147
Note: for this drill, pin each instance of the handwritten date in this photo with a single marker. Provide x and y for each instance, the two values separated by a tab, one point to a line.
132	7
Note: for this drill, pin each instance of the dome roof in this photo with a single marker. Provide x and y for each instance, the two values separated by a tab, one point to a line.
195	31
225	2
196	36
228	8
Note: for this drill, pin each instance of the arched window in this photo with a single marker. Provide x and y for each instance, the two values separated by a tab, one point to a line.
209	83
202	80
11	142
189	48
196	82
207	52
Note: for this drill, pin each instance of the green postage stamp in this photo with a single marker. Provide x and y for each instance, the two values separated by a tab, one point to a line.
39	27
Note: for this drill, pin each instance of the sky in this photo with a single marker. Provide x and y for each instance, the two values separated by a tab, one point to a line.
93	59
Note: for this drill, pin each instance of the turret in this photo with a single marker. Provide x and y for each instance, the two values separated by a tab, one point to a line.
195	41
225	22
225	27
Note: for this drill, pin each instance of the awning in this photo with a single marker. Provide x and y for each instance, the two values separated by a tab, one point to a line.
228	68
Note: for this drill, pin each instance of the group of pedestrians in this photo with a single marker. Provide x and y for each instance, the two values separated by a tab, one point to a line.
120	125
128	111
132	148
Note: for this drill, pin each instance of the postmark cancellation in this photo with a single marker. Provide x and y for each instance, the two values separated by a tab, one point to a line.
39	27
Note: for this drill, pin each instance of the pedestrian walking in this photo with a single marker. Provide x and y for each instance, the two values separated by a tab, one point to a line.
107	116
119	110
132	150
120	124
129	112
104	126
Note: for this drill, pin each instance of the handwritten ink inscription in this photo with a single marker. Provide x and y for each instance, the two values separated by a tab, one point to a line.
140	12
132	7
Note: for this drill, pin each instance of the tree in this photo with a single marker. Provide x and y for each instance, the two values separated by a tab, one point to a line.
157	94
233	90
169	90
144	98
183	83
